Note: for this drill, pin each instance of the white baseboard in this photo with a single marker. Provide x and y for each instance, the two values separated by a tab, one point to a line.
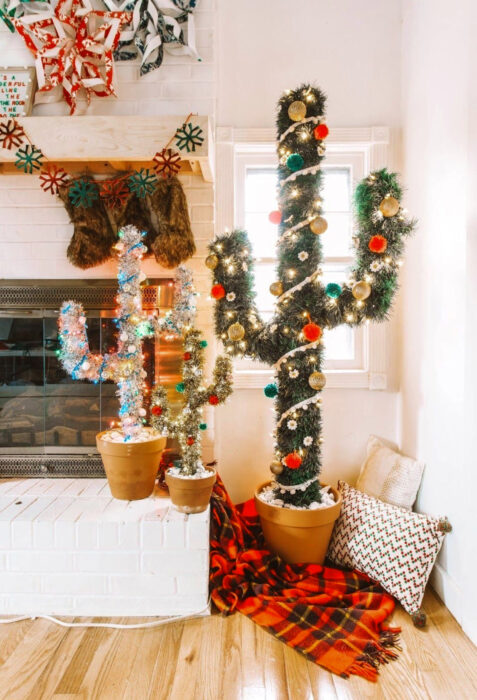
453	597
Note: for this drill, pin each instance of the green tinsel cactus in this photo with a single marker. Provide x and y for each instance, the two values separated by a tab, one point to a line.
187	426
292	341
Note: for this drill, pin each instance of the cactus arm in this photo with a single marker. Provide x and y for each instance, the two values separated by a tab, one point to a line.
379	270
183	312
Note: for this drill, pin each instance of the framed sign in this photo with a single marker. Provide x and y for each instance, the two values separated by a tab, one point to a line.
17	86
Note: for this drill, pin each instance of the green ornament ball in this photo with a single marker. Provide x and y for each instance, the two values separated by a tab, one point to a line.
333	290
295	162
203	343
180	387
270	391
203	426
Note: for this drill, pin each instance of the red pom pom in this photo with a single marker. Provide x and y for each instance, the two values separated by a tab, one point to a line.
293	460
187	356
190	440
275	217
378	244
311	332
218	292
156	410
213	400
320	132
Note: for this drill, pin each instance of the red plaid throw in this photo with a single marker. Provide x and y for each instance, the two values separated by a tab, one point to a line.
334	617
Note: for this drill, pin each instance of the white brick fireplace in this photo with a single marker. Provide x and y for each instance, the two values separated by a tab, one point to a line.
68	548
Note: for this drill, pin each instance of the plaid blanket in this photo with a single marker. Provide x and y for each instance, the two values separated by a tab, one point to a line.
334	617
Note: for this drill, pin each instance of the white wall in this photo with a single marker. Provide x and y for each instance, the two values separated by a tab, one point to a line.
438	298
351	49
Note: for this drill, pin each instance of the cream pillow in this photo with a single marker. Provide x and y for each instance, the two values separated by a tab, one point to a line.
389	476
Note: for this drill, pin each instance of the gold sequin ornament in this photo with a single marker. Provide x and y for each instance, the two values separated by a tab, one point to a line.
236	331
361	290
318	225
297	111
276	467
276	288
317	380
389	206
211	261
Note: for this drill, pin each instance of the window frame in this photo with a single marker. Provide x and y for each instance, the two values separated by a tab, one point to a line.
365	149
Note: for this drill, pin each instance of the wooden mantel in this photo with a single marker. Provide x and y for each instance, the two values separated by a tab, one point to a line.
104	143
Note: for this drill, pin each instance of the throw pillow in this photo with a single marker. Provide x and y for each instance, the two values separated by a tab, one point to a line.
389	476
393	546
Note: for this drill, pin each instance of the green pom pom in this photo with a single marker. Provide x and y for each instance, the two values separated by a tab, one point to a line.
203	426
295	162
180	387
333	290
270	391
203	343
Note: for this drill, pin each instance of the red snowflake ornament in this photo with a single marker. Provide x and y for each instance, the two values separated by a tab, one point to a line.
52	178
114	193
12	134
167	162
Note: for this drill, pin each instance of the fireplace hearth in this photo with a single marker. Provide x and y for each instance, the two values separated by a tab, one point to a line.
48	422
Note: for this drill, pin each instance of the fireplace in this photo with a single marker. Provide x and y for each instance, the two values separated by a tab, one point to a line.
48	422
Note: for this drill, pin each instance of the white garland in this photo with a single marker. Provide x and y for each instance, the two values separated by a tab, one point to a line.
298	286
306	171
297	406
290	353
295	125
295	487
294	228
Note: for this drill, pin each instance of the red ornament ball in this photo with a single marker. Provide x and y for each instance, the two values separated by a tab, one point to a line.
293	460
218	291
213	400
275	217
187	356
311	332
320	132
156	410
190	440
378	244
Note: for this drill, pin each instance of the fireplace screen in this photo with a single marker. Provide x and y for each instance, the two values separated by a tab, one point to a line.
48	422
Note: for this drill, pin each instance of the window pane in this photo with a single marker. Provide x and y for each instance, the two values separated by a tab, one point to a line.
339	343
336	189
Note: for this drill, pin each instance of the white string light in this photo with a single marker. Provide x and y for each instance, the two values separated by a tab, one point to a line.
306	171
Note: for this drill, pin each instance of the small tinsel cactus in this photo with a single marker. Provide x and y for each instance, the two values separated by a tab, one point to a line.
188	425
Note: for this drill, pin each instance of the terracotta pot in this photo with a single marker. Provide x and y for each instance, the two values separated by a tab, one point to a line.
191	495
131	467
298	535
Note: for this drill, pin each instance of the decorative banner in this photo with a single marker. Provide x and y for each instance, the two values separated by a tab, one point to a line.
156	25
17	87
73	48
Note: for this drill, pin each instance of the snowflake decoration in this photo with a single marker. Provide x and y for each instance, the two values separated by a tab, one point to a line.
12	134
188	137
142	182
302	255
308	441
230	296
293	373
375	265
29	158
167	162
114	193
292	425
83	193
52	178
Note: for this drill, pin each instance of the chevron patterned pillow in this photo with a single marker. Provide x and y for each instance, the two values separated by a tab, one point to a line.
393	546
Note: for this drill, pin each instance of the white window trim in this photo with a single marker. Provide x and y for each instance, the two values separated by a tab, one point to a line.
372	144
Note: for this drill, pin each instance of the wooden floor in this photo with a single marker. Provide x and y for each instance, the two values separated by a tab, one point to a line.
219	658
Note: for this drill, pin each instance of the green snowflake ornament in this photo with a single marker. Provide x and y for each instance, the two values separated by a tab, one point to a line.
83	193
188	137
29	158
142	182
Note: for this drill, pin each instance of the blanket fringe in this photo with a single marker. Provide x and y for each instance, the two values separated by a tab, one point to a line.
376	654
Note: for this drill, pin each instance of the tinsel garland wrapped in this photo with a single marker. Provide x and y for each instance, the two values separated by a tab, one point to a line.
187	426
292	341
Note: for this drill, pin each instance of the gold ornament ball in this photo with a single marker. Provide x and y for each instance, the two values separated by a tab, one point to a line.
317	380
276	467
361	290
297	111
318	225
236	331
389	206
276	288
211	261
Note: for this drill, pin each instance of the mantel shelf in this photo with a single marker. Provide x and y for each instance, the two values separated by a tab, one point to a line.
105	143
